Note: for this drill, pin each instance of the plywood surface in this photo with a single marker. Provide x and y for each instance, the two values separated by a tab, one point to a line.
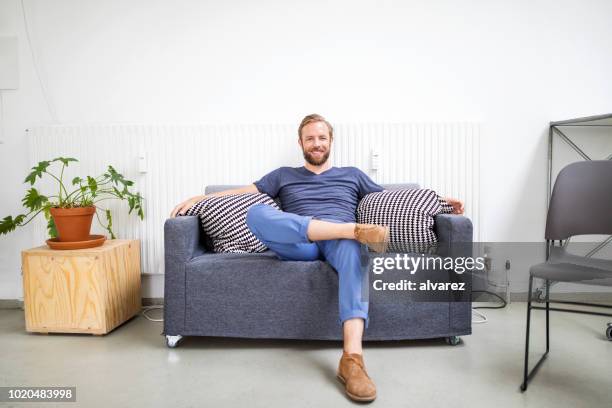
81	291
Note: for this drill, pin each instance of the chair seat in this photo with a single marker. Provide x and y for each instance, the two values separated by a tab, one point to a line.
571	272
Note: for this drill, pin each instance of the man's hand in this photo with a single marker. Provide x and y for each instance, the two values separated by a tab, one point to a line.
457	205
185	205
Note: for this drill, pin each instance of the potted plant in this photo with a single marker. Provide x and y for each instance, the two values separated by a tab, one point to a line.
69	214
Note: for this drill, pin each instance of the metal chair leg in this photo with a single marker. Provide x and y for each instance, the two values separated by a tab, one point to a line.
525	373
547	315
528	375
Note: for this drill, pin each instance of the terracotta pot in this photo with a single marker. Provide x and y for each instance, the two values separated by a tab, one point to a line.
73	224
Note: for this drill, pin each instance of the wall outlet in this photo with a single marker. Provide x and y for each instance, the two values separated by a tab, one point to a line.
374	157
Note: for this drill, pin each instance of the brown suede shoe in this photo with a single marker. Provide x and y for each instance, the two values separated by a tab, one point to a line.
351	371
374	236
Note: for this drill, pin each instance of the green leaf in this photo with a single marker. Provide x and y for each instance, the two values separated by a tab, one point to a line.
114	176
117	178
140	211
76	180
93	185
65	160
50	223
38	171
8	224
135	202
51	228
33	200
119	193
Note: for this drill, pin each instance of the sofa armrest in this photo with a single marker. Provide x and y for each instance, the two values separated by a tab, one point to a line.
181	244
451	228
182	240
455	235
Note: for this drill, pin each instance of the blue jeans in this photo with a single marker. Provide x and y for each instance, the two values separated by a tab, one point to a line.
285	234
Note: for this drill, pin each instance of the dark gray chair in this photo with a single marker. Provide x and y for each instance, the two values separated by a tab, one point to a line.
581	203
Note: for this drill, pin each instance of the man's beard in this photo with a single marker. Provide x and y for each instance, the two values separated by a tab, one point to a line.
312	160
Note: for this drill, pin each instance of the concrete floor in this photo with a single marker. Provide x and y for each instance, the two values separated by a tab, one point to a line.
132	367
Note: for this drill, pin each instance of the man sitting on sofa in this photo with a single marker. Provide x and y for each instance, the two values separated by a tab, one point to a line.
318	222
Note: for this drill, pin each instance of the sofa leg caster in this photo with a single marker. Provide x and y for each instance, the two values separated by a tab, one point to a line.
172	341
452	340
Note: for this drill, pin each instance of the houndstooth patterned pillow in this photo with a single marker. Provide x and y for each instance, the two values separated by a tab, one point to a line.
223	220
409	215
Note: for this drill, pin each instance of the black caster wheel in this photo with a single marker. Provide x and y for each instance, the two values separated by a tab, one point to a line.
609	332
452	340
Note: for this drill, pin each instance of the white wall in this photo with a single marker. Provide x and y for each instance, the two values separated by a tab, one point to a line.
512	65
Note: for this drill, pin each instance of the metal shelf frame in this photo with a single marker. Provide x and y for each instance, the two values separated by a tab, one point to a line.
554	129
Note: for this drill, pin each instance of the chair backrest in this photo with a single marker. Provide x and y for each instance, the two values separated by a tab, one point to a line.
213	188
581	201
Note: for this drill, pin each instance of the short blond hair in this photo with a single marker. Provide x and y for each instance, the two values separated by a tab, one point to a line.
313	117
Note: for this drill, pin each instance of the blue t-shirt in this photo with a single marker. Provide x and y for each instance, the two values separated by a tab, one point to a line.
333	194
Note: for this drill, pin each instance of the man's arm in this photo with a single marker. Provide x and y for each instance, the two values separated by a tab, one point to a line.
187	204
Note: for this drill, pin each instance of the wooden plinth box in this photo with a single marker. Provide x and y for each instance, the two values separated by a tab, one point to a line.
83	290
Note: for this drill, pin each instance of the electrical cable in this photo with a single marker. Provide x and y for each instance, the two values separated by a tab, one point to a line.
481	315
501	306
42	86
145	309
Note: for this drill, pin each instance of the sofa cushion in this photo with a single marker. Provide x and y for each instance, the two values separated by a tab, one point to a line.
409	215
223	220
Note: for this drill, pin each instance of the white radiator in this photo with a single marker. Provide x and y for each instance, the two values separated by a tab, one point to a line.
182	159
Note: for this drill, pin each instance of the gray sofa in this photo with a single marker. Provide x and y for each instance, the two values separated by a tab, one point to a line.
259	296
